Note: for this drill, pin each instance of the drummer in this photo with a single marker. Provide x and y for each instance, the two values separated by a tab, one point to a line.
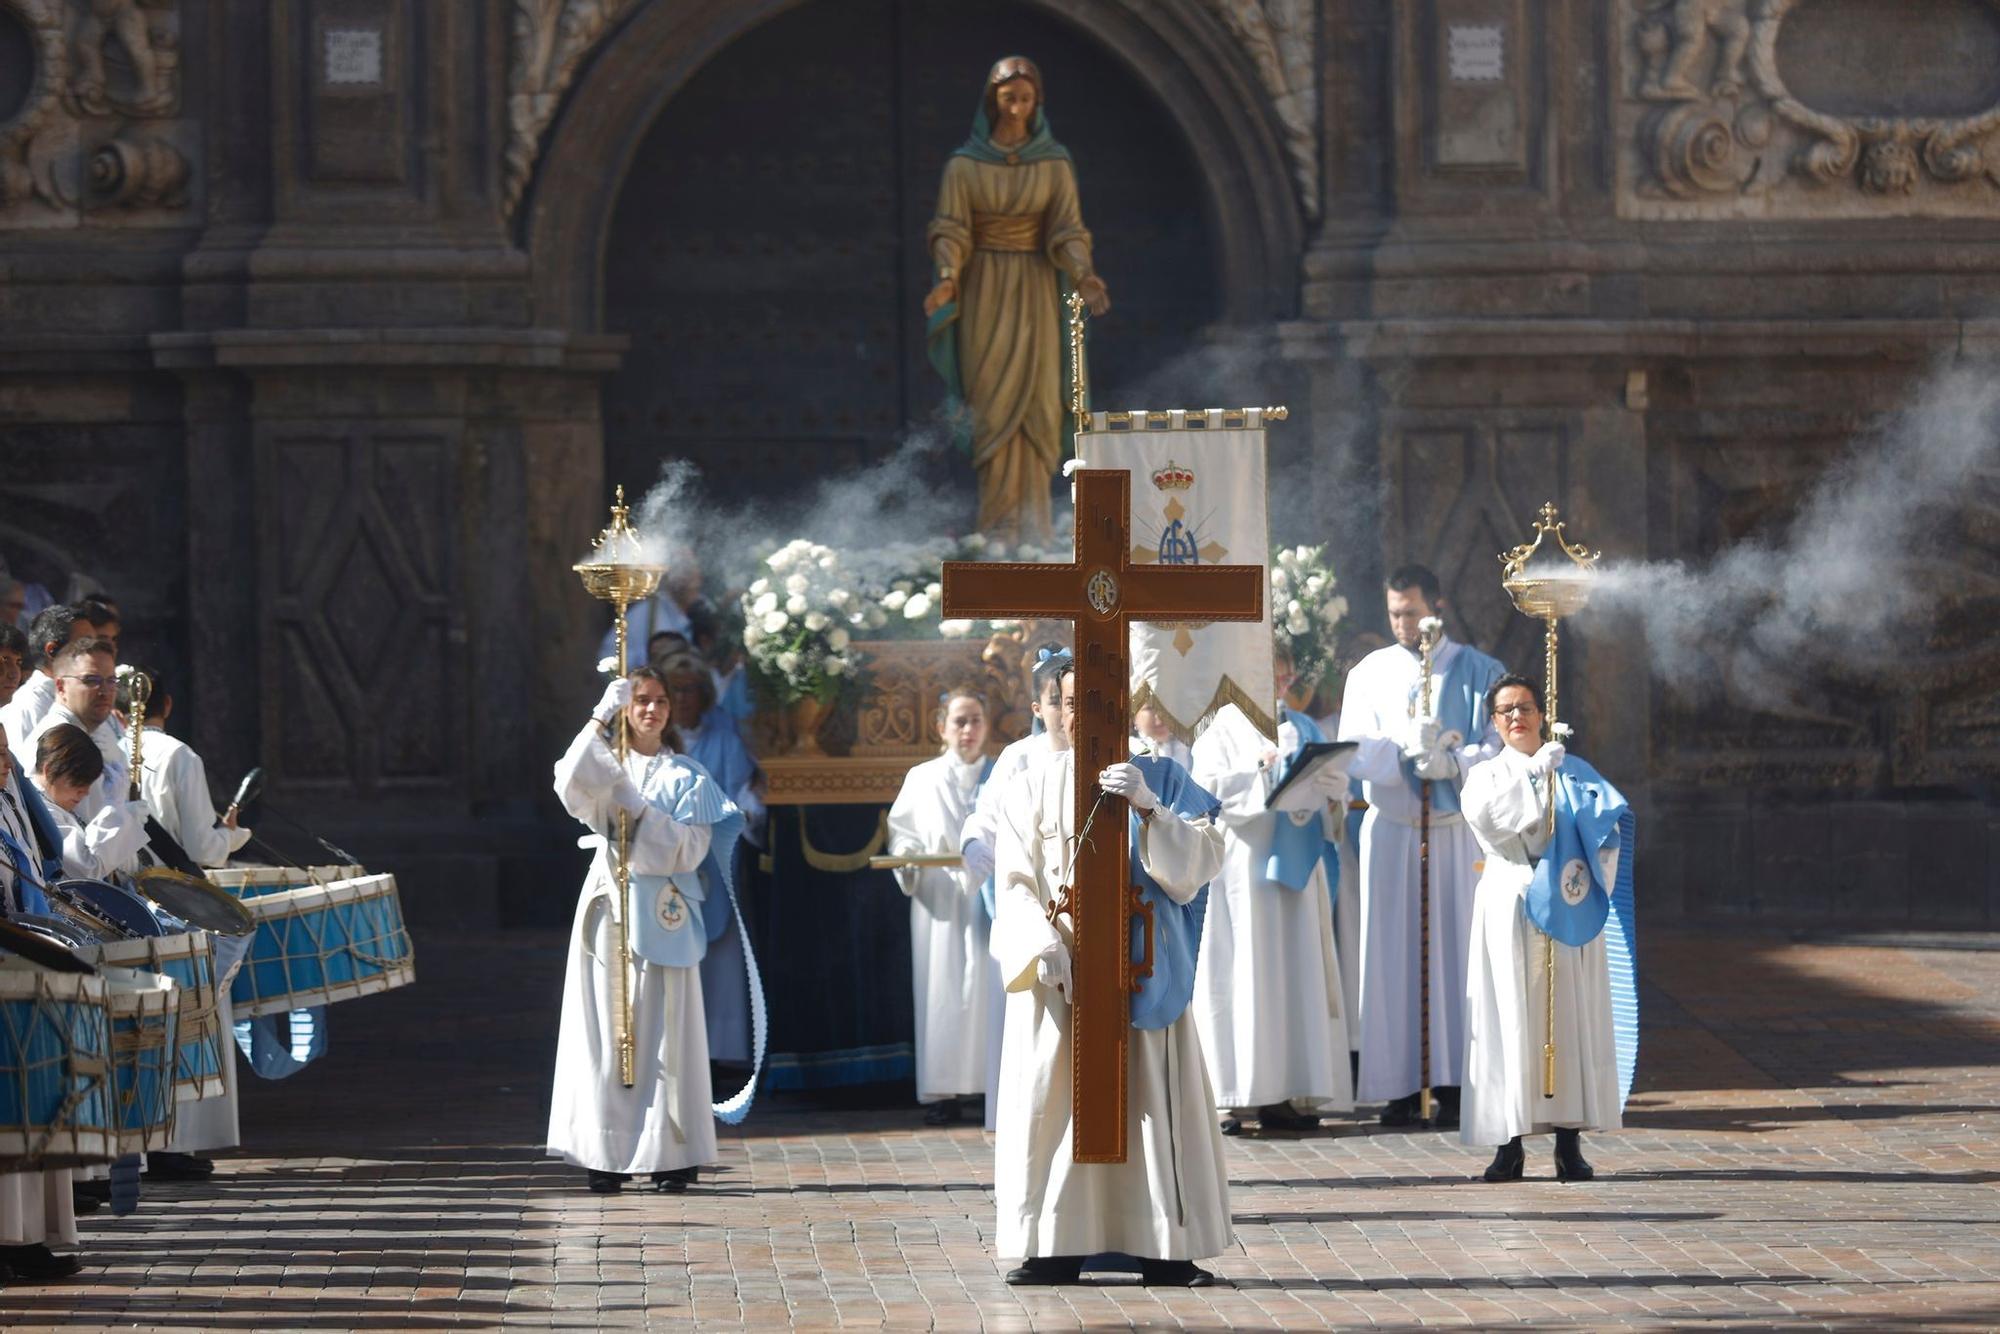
174	781
53	629
36	1208
85	672
69	770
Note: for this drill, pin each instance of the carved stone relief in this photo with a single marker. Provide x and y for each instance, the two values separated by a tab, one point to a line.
1807	108
551	39
98	136
1277	35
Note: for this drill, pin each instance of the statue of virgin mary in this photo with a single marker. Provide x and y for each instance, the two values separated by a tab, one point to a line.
1009	243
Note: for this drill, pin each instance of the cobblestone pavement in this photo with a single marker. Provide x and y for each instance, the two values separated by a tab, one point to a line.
1816	1139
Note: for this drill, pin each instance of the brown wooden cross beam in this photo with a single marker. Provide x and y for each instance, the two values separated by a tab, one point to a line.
1103	592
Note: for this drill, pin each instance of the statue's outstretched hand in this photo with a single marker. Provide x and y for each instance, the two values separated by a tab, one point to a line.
1095	295
941	296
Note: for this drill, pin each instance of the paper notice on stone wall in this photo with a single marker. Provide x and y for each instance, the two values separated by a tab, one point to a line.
1477	53
353	56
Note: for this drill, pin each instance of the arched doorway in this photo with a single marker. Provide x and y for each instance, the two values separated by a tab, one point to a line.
766	258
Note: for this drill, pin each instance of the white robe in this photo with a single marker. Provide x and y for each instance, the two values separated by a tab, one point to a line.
1267	992
952	972
1347	911
665	1120
1507	989
37	1208
1014	759
1169	1200
1375	710
22	716
107	843
174	783
114	788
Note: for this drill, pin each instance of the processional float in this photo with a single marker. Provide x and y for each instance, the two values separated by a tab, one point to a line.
1549	582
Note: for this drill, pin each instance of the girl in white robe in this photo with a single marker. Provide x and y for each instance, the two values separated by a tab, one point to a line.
951	969
1506	991
664	1124
68	769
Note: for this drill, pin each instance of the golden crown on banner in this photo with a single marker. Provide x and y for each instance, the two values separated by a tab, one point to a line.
1174	477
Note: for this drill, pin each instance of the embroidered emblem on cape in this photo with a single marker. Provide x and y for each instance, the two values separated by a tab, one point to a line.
1575	881
667	909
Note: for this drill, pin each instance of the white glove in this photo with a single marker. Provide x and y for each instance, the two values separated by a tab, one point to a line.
1440	763
978	854
1125	780
1549	758
1302	797
1332	778
1422	740
616	696
1052	968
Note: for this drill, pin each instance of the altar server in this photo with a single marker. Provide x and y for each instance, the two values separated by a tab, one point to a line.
1047	736
951	971
1152	736
683	832
1531	882
1401	751
1167	1204
36	1208
1268	996
69	772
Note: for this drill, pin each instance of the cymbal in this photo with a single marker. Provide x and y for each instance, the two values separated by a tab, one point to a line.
40	950
194	900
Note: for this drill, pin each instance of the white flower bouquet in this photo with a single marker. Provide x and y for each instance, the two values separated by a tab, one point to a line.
1306	612
800	616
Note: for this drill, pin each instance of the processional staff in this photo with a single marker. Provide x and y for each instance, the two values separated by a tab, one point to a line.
1429	631
1549	584
618	572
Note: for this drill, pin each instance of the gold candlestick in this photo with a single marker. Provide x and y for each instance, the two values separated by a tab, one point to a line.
619	573
1549	584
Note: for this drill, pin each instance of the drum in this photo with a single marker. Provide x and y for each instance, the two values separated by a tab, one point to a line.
145	1050
251	882
189	960
55	1067
111	911
324	943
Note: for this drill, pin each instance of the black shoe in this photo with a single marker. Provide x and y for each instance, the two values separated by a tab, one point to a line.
604	1183
1402	1113
1046	1271
38	1264
1570	1165
178	1167
1231	1126
1507	1162
1283	1116
97	1192
1444	1107
82	1202
1174	1274
946	1113
677	1181
1354	1069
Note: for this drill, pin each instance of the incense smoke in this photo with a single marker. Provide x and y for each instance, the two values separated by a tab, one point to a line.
1852	582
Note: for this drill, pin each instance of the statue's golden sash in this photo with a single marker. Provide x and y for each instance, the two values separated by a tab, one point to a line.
1018	233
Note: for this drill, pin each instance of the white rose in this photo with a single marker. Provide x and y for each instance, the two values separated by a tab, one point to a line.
1334	609
933	590
839	598
828	561
1293	608
816	621
1297	624
836	666
753	635
876	618
1280	580
838	640
775	622
796	605
765	604
954	629
894	599
1314	584
796	584
760	587
977	542
917	607
788	662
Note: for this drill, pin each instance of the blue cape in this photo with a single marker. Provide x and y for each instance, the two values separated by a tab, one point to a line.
1299	840
1163	997
1569	900
1458	693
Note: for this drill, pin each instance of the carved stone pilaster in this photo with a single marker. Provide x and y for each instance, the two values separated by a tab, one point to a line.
1277	35
551	39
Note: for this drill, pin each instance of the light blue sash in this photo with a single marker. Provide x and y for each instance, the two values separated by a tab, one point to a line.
1163	997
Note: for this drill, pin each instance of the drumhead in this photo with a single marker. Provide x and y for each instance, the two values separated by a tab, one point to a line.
111	906
41	940
195	901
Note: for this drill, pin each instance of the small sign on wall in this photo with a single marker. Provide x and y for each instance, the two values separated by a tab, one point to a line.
353	57
1476	53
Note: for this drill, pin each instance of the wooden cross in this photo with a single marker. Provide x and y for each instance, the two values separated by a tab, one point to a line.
1102	591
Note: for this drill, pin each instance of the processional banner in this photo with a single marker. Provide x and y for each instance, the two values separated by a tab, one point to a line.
1198	498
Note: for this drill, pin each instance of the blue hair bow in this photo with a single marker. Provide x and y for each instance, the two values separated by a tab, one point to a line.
1045	656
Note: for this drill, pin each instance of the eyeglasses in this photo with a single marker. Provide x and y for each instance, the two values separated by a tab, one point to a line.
94	682
1516	711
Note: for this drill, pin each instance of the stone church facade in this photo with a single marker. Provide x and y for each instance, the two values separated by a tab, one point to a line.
325	324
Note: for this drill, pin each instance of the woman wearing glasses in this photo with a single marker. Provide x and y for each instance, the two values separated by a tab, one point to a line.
1539	886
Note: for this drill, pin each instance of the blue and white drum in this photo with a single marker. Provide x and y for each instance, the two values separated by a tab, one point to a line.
188	958
111	911
254	882
321	944
145	1052
55	1070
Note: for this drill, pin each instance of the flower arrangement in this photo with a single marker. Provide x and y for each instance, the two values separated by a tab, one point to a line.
799	620
1306	612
